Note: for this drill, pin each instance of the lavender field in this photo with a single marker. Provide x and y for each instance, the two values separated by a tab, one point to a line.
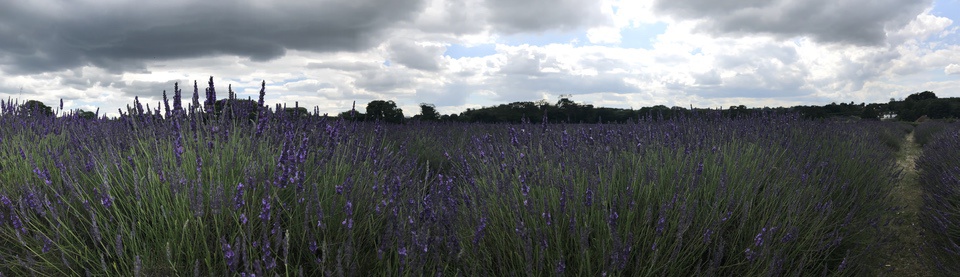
940	180
247	190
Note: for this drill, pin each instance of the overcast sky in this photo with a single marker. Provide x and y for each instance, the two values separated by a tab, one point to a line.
460	54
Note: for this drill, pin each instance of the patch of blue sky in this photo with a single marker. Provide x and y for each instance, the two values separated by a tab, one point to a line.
641	36
937	75
947	8
545	38
457	51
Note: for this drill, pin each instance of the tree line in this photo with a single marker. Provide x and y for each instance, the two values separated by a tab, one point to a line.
913	107
916	105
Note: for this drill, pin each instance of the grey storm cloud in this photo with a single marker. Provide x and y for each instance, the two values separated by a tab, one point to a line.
412	55
512	16
768	81
385	80
120	36
345	65
859	22
453	94
148	89
522	78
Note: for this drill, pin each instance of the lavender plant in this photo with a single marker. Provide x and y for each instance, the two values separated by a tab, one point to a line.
939	168
207	194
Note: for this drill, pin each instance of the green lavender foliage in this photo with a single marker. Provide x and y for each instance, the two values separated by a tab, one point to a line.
203	194
939	169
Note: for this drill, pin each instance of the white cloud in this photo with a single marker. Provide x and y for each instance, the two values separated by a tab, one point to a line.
923	26
861	22
784	64
952	69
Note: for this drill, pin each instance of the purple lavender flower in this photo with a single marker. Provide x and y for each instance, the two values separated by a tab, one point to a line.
95	229
44	175
137	266
199	166
118	245
138	105
106	200
238	200
34	202
661	224
228	254
843	264
17	224
726	217
758	240
177	107
196	96
348	208
265	209
478	234
211	100
178	143
47	243
612	218
588	199
166	105
263	89
789	236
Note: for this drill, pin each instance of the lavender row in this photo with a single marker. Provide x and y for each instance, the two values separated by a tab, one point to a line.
939	168
196	192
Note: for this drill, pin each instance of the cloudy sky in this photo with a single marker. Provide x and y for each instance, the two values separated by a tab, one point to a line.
460	54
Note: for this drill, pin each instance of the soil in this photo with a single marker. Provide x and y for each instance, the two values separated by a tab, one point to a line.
904	253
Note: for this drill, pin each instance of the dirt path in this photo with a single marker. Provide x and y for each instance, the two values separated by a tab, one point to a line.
904	258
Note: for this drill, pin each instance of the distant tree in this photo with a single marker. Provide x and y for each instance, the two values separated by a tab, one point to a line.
296	111
352	115
870	112
384	110
36	108
86	114
939	109
565	102
921	96
237	108
428	112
